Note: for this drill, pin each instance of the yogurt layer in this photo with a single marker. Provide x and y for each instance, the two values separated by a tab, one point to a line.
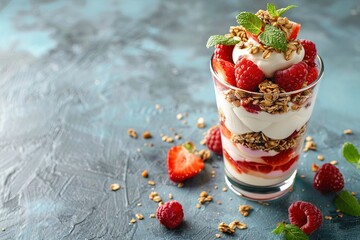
275	126
269	66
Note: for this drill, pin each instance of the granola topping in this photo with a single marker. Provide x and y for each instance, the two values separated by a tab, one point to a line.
258	141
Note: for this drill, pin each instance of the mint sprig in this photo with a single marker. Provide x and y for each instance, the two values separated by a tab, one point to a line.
220	39
250	22
273	37
290	231
278	12
351	153
347	203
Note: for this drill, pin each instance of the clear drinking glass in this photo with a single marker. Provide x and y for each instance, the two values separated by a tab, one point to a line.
262	135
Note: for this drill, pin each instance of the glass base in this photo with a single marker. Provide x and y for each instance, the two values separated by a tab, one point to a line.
259	193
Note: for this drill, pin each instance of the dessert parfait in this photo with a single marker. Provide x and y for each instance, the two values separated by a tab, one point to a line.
266	81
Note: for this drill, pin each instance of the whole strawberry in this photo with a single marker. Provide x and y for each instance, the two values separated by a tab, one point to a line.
170	214
328	179
292	78
248	75
305	215
213	140
224	52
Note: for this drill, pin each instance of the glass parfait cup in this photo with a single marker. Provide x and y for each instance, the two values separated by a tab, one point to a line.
262	135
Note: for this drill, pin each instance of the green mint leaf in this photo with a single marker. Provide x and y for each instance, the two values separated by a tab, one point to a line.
347	203
250	22
273	37
279	229
281	11
350	153
220	39
293	232
272	10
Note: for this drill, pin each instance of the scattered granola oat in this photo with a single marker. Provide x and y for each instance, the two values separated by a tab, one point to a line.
170	196
217	235
145	174
147	135
152	195
115	187
167	139
314	167
340	215
200	122
178	136
244	210
320	157
204	197
236	224
180	185
157	199
353	193
224	189
151	183
302	176
223	227
309	145
348	131
263	203
213	173
216	187
204	154
198	205
139	204
157	106
328	217
132	221
152	215
218	202
139	216
333	162
179	116
132	133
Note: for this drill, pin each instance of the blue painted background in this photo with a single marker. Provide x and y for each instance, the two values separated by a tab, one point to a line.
76	75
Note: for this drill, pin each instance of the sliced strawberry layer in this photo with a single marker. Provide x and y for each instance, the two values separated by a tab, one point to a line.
245	166
225	131
279	159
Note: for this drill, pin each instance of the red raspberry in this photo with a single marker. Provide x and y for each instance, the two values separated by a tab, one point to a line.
328	179
310	51
292	78
312	75
213	140
248	75
224	52
170	214
305	215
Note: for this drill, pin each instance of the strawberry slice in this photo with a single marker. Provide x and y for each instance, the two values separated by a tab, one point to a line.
183	163
225	69
279	159
294	31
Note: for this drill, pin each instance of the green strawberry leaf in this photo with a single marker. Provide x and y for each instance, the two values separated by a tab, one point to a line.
350	153
273	37
347	203
250	22
290	231
272	10
220	39
281	11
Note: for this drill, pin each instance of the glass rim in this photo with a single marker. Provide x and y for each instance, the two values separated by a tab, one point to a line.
320	67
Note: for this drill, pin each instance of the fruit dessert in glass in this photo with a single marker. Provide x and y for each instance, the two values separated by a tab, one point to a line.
266	81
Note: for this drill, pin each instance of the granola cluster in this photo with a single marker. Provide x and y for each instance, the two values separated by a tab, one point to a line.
258	141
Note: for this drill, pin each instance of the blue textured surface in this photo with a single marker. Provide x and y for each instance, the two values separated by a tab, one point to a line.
76	75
